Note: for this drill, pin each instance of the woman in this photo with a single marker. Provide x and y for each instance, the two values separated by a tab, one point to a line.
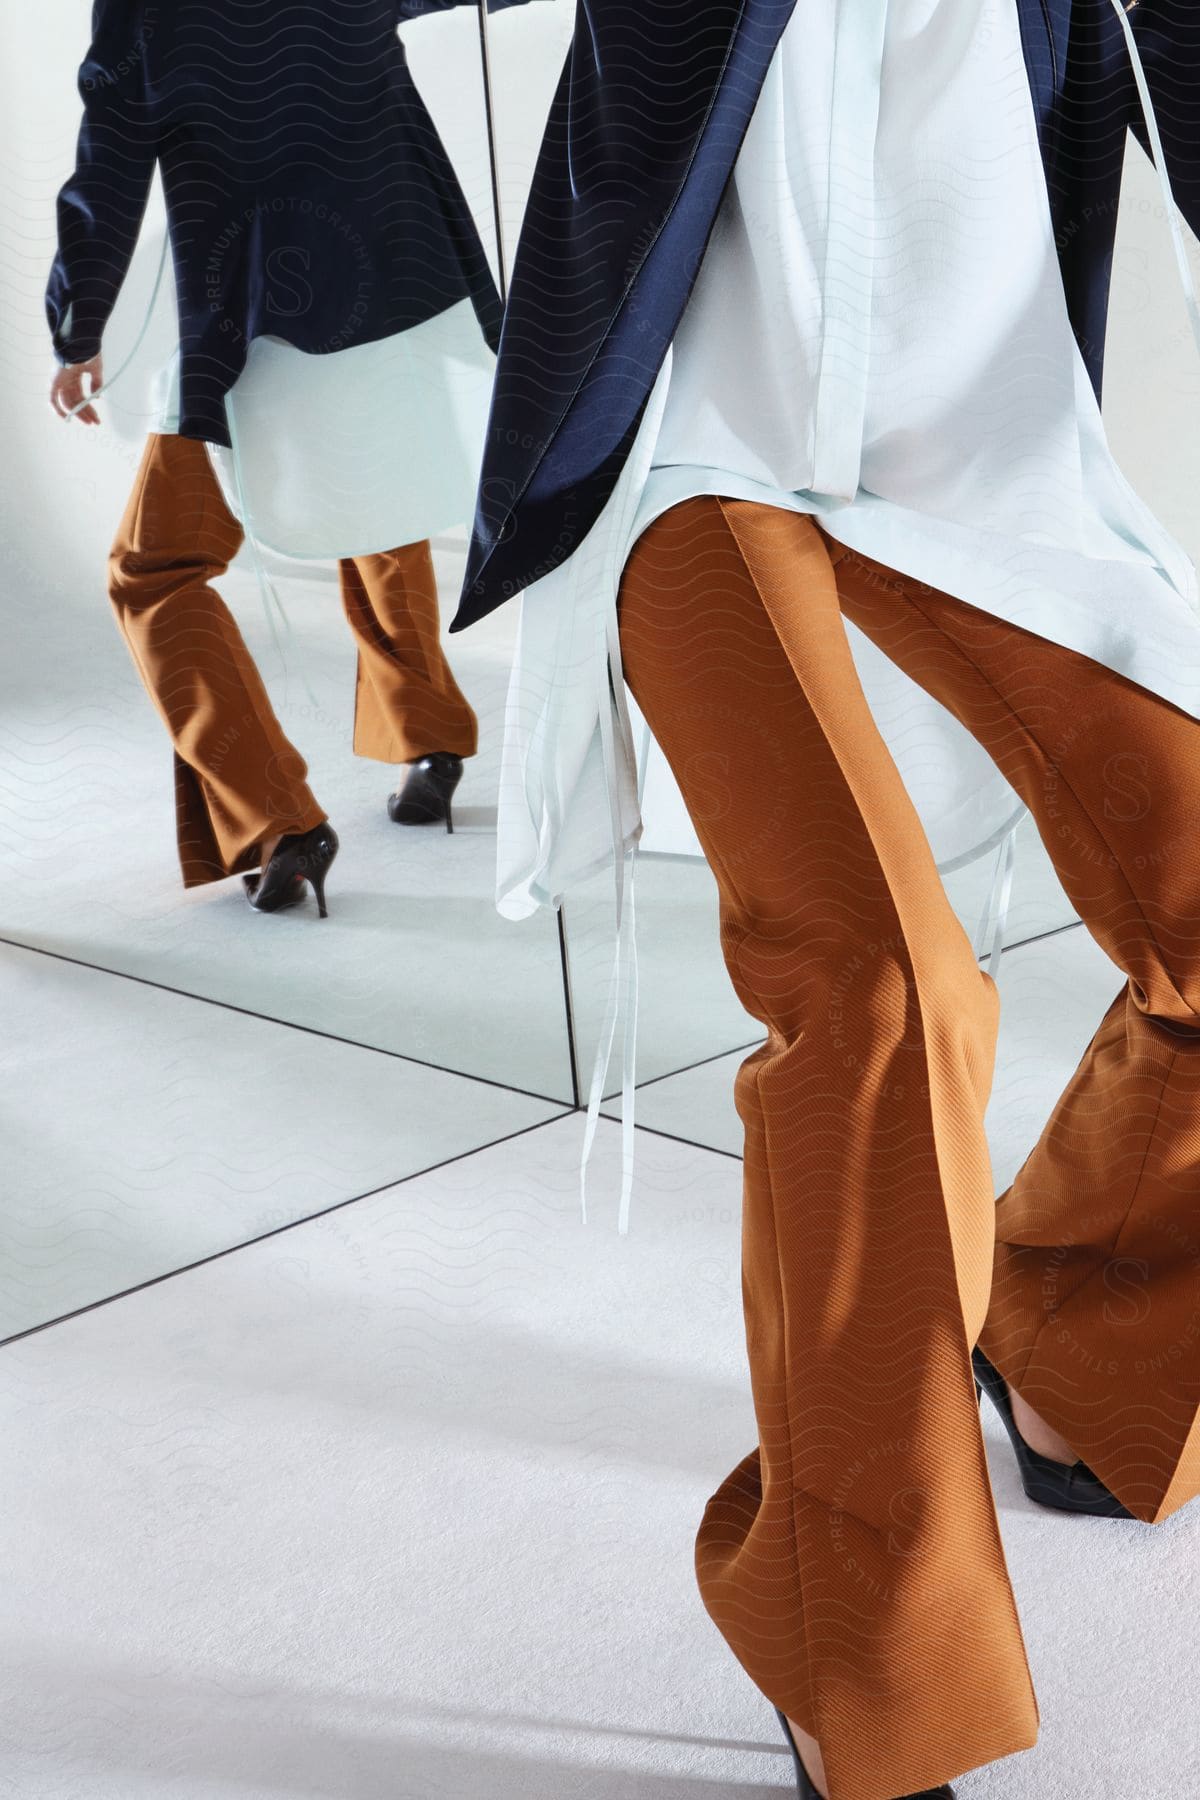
337	320
790	343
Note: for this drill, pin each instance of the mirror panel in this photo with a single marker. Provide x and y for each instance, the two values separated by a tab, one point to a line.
445	1026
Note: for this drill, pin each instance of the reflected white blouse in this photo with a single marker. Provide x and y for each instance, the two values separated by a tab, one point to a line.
878	335
355	450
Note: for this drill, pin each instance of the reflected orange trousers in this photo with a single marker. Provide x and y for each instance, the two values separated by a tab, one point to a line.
238	779
853	1560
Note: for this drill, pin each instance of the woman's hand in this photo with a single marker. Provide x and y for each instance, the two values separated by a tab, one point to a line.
67	390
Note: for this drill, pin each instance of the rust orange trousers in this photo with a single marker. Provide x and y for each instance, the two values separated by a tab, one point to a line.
853	1560
238	779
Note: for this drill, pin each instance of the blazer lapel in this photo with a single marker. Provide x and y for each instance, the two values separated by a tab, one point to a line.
642	136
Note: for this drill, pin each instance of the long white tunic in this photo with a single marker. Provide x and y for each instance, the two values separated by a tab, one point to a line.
879	336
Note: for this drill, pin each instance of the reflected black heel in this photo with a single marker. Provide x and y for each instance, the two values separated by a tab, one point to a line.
298	858
806	1791
426	795
1067	1487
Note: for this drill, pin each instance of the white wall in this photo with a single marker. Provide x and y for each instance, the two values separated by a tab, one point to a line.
529	46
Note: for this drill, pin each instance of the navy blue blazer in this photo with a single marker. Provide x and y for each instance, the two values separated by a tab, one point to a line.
642	136
308	193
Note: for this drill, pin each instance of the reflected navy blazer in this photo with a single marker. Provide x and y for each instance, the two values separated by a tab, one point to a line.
308	193
644	130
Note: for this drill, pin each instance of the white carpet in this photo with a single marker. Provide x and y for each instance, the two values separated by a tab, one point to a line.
399	1504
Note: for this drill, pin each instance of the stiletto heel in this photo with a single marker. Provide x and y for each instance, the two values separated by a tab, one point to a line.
318	886
298	858
426	794
1067	1487
806	1791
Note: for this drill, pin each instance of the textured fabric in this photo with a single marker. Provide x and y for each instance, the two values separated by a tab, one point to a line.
853	1561
308	193
407	701
238	779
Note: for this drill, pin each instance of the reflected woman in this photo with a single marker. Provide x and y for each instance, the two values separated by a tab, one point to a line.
330	283
806	327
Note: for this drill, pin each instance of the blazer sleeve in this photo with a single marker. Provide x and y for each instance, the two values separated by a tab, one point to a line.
102	204
1168	40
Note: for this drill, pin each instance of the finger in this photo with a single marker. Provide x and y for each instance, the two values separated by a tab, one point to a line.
77	401
95	384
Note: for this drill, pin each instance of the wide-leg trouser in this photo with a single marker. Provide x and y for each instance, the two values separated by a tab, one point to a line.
853	1560
238	779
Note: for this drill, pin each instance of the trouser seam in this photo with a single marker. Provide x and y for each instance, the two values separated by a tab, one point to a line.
734	889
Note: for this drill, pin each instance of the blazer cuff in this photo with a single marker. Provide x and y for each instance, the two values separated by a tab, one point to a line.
71	344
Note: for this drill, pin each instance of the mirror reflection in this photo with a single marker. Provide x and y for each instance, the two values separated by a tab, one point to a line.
258	773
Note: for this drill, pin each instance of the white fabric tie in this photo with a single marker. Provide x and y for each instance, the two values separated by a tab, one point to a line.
1160	163
617	524
840	400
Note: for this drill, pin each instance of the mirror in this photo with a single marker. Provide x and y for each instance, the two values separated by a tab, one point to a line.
693	1032
354	423
451	1025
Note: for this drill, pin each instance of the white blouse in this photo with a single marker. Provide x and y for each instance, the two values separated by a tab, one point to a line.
878	335
355	450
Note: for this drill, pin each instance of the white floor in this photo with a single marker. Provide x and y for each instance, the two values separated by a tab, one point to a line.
398	1501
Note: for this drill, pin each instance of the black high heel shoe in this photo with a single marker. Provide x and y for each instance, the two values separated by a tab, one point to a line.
1068	1487
425	796
806	1791
298	858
